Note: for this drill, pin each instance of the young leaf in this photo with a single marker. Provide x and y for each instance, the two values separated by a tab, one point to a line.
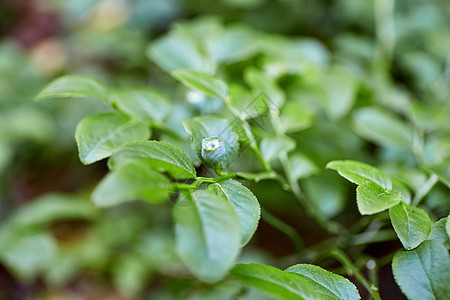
204	127
203	82
207	234
76	86
423	273
411	224
134	180
142	103
309	283
99	135
382	127
244	204
271	147
372	199
160	155
358	172
340	287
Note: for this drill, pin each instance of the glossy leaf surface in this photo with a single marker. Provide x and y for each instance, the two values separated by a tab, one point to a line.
160	155
134	180
411	224
99	135
207	234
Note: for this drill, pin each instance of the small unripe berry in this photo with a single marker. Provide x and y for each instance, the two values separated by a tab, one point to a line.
213	150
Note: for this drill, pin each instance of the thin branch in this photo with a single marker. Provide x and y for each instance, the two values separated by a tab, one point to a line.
288	230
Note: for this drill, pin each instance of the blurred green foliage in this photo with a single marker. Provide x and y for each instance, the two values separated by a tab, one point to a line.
361	80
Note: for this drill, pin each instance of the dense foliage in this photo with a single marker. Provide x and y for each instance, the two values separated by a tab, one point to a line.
232	160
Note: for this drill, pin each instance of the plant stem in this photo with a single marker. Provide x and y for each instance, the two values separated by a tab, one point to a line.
312	253
288	230
372	268
163	127
248	134
224	176
200	180
308	206
261	176
352	270
372	237
261	159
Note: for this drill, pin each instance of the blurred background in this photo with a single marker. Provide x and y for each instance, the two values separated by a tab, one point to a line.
54	244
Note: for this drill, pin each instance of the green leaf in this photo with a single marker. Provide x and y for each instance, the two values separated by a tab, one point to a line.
294	117
207	234
244	204
447	225
291	285
439	233
76	86
423	273
430	116
38	126
330	199
302	166
203	82
338	286
398	186
411	224
159	155
29	255
131	181
130	274
382	128
247	105
272	147
6	154
226	290
53	207
274	282
237	43
358	172
142	103
176	52
372	199
158	248
261	84
340	89
442	170
99	135
208	126
63	268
